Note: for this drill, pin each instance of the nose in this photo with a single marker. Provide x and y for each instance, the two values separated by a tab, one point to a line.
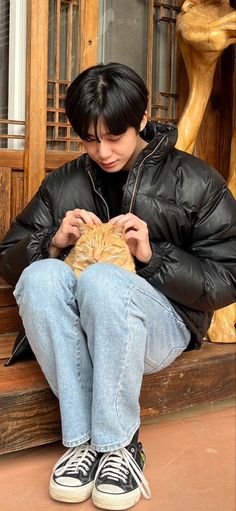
96	255
104	150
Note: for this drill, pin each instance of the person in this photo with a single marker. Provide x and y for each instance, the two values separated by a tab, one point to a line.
97	335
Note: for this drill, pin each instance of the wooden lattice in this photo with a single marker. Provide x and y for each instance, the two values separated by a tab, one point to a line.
161	67
64	43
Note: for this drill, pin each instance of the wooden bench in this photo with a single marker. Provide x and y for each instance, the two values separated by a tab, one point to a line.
29	412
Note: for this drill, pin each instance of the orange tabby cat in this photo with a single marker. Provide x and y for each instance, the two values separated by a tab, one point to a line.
101	243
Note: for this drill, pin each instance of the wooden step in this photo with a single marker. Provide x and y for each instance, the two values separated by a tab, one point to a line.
29	412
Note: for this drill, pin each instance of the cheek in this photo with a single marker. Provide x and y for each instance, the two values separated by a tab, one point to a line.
126	150
90	148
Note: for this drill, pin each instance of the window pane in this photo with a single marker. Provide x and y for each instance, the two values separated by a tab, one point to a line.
12	73
123	33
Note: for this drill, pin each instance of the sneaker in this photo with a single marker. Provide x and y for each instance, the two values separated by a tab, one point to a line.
73	475
119	481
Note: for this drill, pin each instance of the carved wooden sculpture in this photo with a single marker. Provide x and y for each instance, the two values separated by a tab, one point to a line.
223	326
204	30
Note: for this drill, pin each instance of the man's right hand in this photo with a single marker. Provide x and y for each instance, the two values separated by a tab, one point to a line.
69	232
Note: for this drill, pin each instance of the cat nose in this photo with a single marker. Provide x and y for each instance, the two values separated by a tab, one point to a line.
96	257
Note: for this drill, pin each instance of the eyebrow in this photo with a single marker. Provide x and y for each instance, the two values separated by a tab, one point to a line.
93	134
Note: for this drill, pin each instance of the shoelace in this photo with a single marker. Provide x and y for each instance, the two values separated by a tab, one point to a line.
81	460
116	466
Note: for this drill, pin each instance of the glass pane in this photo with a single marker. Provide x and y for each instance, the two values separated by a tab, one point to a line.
123	33
63	56
12	73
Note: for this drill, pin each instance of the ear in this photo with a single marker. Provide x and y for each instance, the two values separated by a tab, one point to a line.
119	230
84	228
143	121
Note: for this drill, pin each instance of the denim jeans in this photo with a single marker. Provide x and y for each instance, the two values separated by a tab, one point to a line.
95	337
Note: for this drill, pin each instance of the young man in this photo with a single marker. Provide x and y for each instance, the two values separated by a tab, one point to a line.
96	336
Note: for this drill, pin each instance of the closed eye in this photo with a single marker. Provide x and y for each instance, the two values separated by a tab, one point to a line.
111	248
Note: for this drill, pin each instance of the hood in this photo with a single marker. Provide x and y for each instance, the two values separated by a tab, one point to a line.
155	131
161	140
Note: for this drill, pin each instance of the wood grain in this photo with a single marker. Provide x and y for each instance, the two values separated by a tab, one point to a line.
9	319
11	158
89	33
6	344
5	199
6	296
17	194
36	96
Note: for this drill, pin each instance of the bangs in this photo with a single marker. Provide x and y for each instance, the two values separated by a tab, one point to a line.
114	119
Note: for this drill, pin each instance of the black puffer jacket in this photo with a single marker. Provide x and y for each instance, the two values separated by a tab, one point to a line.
190	215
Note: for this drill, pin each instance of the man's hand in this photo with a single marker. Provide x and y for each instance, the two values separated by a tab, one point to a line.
136	236
68	232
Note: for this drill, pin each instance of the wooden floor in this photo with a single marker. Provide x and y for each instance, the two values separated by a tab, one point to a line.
29	412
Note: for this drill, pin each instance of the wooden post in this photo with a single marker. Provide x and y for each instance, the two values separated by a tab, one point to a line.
89	33
36	96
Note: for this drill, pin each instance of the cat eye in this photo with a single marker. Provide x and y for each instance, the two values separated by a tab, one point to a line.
111	248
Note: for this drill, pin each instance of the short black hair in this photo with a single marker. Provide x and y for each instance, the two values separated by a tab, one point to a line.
112	91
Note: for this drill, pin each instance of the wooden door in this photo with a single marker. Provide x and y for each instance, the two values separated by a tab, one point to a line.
53	27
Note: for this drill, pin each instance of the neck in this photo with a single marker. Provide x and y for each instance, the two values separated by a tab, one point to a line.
139	147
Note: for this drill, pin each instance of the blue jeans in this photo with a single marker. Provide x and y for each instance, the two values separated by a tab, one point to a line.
95	337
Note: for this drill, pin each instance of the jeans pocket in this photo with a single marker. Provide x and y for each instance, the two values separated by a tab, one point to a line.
153	366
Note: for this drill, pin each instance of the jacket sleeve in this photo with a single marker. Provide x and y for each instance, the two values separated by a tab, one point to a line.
202	275
29	236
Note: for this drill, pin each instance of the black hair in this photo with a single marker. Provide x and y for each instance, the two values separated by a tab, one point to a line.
112	91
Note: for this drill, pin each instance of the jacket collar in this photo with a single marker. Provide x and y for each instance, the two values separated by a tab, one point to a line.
159	136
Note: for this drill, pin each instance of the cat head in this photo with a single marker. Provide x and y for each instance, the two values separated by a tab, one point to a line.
102	243
102	230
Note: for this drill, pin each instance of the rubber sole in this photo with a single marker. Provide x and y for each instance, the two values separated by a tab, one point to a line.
115	502
70	494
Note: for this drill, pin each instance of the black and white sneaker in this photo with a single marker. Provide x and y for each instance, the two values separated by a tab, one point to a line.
119	481
73	475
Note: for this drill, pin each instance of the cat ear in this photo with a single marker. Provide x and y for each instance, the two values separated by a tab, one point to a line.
84	228
119	230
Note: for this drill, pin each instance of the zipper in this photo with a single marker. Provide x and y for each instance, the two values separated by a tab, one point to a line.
100	195
138	173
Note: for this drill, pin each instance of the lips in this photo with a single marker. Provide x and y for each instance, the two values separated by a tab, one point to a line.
107	165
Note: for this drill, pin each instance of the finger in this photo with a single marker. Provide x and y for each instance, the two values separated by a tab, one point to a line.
116	219
135	235
88	217
71	221
83	214
95	218
136	224
76	213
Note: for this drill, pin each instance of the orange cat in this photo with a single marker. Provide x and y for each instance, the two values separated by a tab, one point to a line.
101	243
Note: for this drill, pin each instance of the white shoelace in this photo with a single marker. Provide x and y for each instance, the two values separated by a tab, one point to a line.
81	460
116	466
